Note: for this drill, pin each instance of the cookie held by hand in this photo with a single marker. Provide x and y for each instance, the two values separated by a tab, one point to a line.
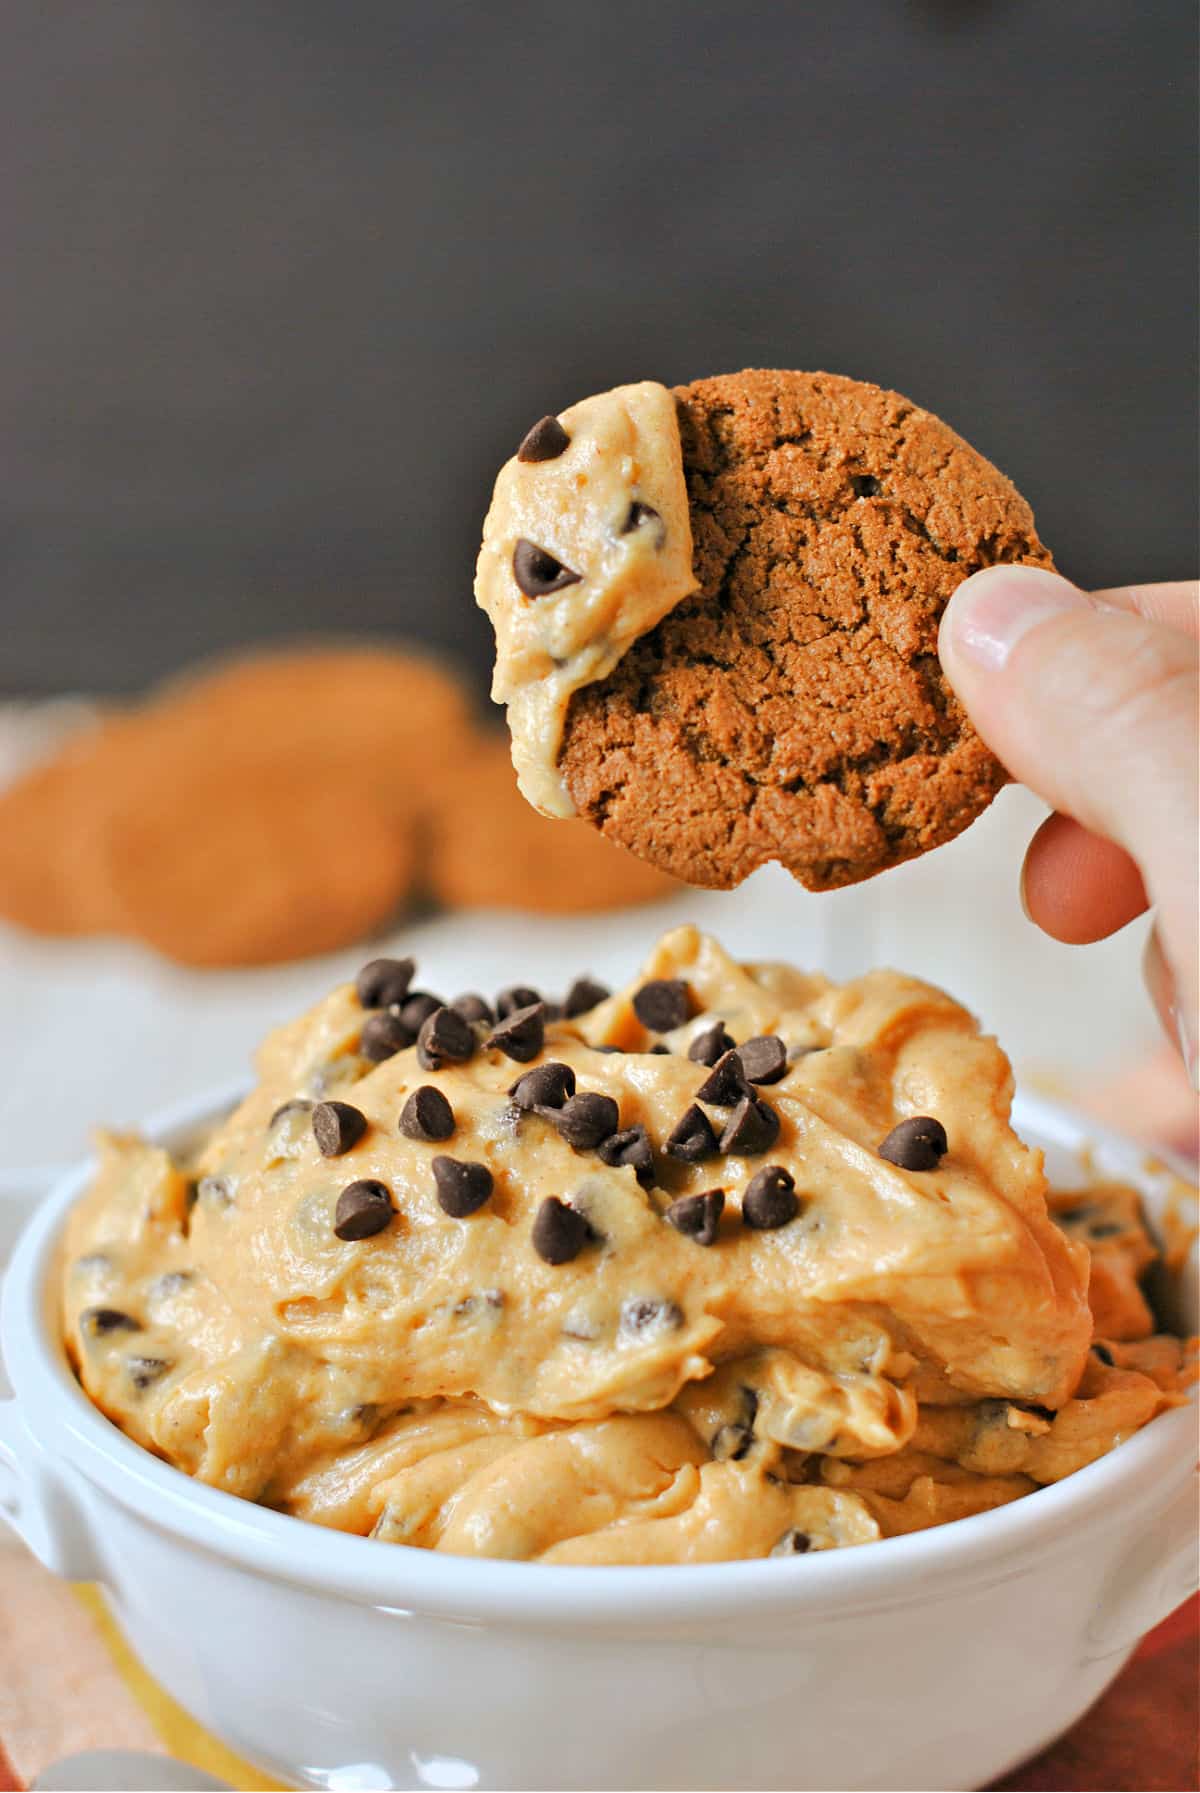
778	696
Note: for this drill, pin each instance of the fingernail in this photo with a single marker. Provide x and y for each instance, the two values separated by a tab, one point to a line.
1175	1014
993	610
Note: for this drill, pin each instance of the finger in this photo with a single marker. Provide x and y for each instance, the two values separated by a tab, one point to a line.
1078	887
1175	603
1094	708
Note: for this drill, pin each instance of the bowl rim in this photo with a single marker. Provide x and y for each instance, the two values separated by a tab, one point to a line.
1138	1477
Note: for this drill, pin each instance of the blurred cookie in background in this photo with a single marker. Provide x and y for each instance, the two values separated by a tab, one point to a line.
280	865
284	804
489	849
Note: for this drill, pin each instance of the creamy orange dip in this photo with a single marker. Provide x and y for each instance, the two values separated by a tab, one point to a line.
484	1324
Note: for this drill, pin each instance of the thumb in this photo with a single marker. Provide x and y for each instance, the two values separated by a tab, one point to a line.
1094	708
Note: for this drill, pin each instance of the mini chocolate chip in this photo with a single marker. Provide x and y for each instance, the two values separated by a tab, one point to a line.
363	1208
725	1085
731	1443
648	1313
142	1371
384	1034
764	1059
383	982
710	1044
770	1199
98	1322
640	514
698	1217
427	1115
521	1035
583	995
793	1543
663	1004
445	1038
473	1008
631	1147
538	573
215	1192
915	1144
336	1127
517	996
462	1187
586	1119
287	1110
1104	1354
661	1050
417	1008
559	1232
753	1127
544	442
692	1138
546	1086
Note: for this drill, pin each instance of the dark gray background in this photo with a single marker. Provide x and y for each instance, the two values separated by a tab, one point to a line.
284	282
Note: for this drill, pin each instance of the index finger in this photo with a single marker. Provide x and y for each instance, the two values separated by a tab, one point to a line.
1176	602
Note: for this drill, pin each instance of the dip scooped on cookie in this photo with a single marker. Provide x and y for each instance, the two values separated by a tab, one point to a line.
716	612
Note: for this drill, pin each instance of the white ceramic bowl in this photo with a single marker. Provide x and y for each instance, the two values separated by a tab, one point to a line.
937	1660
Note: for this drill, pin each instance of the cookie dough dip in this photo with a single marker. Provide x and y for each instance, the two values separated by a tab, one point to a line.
736	1262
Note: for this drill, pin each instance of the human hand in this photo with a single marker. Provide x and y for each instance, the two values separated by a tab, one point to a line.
1091	701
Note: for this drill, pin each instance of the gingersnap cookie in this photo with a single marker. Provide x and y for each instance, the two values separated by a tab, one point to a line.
291	869
258	810
486	848
284	804
777	696
52	822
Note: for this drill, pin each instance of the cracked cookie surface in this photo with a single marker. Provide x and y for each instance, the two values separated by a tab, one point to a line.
795	709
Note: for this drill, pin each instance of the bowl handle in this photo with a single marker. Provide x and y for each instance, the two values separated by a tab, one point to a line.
1151	1580
36	1503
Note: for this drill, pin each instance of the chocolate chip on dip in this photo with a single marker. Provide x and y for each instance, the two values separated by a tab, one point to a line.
770	1200
462	1186
916	1144
384	982
663	1004
363	1209
427	1115
337	1126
